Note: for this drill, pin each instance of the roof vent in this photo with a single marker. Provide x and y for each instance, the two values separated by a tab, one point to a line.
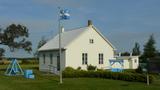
89	23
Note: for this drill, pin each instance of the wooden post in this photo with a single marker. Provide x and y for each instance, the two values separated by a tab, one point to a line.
147	79
147	71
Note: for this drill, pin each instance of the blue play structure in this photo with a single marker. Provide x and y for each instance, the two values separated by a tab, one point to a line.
14	69
116	70
29	74
112	62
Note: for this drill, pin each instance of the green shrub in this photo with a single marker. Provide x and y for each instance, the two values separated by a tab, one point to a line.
139	70
79	68
72	73
69	72
90	67
129	70
100	69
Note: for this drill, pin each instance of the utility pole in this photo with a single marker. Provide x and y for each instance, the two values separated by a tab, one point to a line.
60	50
63	15
147	79
147	71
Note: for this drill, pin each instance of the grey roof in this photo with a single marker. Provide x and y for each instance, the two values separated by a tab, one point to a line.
68	37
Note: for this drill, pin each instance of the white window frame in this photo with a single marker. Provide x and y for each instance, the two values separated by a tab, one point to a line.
84	58
91	41
101	58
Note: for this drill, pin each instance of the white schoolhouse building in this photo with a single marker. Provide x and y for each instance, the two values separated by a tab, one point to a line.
80	47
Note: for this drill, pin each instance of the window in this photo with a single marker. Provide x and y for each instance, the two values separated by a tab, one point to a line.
91	41
135	61
84	58
51	59
44	57
100	58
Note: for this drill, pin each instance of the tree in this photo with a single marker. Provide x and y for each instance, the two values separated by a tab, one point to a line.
15	37
139	69
1	53
149	48
158	54
136	49
40	44
125	54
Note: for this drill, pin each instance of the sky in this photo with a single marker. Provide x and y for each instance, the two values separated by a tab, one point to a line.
123	22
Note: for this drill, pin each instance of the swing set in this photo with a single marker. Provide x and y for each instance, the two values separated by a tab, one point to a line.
14	69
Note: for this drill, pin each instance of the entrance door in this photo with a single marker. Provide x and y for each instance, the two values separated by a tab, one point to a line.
58	63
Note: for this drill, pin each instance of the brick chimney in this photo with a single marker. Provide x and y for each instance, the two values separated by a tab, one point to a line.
90	23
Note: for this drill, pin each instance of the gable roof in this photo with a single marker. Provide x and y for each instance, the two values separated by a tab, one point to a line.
68	37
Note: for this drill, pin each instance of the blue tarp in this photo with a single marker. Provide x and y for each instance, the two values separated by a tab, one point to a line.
29	74
116	70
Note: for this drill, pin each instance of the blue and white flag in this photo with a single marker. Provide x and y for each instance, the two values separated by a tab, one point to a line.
64	14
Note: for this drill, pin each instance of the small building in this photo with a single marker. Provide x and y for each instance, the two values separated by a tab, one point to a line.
129	62
80	47
124	62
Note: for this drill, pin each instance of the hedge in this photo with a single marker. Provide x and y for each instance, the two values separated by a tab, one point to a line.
134	77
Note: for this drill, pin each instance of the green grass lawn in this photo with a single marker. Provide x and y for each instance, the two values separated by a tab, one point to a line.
50	82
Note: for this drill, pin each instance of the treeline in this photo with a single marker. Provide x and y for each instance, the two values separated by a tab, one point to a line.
7	60
149	52
30	58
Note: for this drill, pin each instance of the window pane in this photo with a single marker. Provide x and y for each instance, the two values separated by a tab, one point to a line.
91	41
100	58
86	58
82	58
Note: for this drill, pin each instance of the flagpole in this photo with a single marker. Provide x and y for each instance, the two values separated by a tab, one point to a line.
60	29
